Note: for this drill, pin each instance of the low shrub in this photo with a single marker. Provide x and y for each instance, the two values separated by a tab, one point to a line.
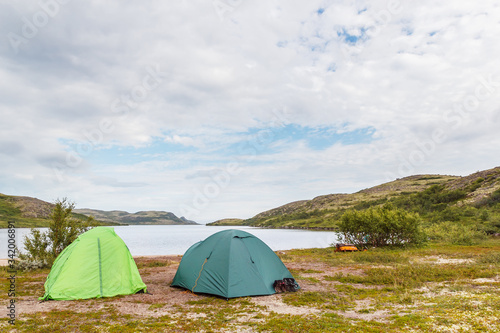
381	226
455	233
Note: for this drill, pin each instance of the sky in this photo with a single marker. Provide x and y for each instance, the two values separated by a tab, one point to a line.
227	108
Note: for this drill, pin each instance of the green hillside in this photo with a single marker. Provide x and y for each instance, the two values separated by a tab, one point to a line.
437	198
29	212
143	217
11	210
228	222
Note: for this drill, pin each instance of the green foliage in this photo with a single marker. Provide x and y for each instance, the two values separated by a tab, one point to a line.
382	290
437	205
430	177
434	198
303	219
381	226
6	207
38	251
475	185
491	200
380	256
63	229
455	233
228	222
367	204
415	275
44	247
9	212
490	258
490	226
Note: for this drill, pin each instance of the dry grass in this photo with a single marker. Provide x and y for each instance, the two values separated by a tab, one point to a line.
435	289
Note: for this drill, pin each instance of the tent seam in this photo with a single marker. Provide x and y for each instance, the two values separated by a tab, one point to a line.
199	274
100	266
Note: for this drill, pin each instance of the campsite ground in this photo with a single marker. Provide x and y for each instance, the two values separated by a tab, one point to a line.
434	289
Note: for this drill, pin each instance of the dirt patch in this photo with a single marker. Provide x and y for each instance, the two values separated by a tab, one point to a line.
440	260
363	310
273	303
453	261
158	272
485	280
321	269
156	278
466	299
311	275
378	315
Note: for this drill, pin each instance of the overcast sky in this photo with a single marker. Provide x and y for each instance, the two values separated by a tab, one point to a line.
226	108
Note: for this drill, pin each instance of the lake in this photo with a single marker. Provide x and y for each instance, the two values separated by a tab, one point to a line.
176	239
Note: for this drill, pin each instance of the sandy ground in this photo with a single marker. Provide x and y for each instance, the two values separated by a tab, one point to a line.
158	280
158	272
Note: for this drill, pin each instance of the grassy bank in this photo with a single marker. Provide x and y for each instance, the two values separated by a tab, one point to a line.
439	288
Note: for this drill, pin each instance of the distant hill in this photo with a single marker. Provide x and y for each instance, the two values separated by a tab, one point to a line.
434	197
30	212
143	217
228	221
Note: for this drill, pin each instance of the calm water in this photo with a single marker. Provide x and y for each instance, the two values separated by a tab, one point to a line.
176	239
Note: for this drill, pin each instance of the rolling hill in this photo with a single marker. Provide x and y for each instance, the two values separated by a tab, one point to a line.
30	212
143	217
434	197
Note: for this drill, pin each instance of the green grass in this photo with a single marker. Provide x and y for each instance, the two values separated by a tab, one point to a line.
382	290
156	306
10	213
23	222
154	263
415	275
436	198
380	257
325	300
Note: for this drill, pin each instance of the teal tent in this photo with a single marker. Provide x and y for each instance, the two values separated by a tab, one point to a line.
230	263
96	264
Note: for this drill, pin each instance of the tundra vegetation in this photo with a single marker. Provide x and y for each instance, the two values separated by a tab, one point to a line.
458	210
433	265
27	212
434	288
381	226
42	248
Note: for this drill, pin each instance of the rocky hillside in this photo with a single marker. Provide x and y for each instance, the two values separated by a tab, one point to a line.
30	212
32	207
143	217
382	192
27	212
228	221
472	191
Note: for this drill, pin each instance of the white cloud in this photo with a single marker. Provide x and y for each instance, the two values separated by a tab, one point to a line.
182	140
103	76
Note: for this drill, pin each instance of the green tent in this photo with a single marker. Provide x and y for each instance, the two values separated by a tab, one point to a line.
96	264
230	263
